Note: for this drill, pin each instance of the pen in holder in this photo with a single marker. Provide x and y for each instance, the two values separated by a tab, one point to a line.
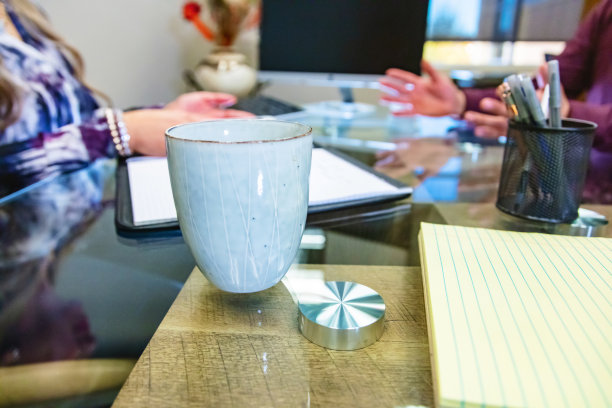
544	169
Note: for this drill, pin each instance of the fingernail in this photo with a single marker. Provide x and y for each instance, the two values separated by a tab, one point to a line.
384	161
409	86
388	90
400	107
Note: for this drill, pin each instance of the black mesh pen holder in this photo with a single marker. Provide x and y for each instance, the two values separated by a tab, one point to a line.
544	169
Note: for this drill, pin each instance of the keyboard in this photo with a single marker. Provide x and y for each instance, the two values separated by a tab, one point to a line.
261	105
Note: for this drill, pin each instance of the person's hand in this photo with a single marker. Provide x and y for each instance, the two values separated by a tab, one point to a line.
493	123
147	127
200	102
431	95
542	79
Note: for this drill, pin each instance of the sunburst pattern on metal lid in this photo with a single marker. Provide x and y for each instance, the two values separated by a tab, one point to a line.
343	316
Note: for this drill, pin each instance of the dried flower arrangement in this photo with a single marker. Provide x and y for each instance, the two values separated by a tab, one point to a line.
230	17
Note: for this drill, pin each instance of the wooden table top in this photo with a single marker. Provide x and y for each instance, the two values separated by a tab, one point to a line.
220	349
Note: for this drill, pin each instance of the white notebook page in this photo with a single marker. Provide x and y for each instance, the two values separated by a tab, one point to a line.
332	180
150	190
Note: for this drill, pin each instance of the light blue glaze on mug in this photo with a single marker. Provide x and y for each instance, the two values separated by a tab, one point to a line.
241	193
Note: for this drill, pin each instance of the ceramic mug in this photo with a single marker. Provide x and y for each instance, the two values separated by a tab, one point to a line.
240	187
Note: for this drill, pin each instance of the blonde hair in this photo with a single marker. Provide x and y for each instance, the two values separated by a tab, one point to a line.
38	26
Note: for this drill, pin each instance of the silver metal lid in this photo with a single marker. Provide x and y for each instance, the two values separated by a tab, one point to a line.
344	316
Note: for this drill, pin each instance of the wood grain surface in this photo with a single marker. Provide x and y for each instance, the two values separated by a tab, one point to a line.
245	350
42	382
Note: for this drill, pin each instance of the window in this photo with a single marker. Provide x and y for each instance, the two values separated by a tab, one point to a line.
503	20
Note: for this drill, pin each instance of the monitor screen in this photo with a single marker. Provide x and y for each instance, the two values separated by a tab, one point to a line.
342	36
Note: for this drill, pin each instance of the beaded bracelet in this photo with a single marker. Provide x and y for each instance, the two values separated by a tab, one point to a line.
118	131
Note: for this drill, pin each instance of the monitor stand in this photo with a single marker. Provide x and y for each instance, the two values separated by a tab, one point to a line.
347	108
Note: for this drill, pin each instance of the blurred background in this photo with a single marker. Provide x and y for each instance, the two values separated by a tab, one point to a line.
137	50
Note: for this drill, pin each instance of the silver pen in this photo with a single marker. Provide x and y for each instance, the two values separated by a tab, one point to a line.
532	102
554	100
522	112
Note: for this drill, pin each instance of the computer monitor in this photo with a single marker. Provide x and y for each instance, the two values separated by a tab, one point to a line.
346	43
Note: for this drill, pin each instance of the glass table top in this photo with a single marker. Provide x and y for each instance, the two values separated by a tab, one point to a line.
71	287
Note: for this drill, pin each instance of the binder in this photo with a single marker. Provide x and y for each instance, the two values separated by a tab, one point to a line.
134	187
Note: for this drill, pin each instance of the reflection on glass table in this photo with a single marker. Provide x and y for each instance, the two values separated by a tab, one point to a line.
443	170
434	155
76	306
37	231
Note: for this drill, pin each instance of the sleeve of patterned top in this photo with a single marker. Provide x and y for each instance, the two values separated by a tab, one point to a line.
60	125
66	148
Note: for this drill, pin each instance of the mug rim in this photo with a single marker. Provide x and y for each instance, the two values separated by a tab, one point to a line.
308	131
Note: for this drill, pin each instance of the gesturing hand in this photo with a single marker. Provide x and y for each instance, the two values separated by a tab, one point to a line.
431	95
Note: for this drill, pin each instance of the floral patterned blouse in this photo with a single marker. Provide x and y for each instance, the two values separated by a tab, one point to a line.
61	127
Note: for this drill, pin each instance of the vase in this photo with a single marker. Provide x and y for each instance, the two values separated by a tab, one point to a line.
226	70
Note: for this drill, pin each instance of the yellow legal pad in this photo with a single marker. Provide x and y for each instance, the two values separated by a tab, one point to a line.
518	319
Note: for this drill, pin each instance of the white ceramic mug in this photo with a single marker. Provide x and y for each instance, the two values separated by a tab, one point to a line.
241	193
